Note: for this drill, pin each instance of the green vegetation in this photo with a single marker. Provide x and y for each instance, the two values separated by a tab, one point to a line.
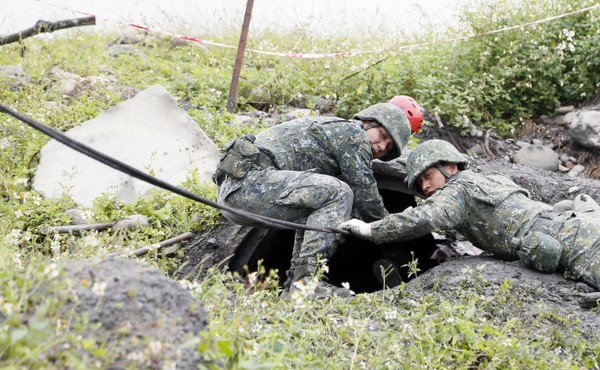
494	81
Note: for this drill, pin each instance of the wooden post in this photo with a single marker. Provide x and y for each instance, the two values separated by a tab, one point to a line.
239	58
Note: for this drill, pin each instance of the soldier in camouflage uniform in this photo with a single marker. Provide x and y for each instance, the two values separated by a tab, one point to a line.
493	213
315	170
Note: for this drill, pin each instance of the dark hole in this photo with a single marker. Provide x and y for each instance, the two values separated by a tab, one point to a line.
354	259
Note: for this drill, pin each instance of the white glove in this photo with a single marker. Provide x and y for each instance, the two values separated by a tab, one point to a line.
358	228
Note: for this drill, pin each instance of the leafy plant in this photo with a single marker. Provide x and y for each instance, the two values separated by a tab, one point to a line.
494	80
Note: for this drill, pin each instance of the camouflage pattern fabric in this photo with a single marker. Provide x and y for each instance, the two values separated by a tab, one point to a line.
429	154
322	174
497	215
395	122
320	200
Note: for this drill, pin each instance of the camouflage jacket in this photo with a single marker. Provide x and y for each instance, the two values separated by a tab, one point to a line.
488	210
329	146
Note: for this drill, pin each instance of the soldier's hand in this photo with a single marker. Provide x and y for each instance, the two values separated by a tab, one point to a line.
358	228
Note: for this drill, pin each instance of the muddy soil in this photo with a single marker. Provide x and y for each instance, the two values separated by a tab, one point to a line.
219	246
537	293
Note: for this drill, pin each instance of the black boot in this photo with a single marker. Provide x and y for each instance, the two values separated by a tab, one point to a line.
306	282
386	273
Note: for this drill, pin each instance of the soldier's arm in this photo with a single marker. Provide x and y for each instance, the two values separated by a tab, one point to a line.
355	166
443	211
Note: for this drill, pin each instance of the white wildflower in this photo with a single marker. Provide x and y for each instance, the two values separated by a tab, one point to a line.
37	200
99	288
135	356
7	308
186	284
558	350
13	237
303	289
253	278
4	143
92	240
17	261
323	265
169	365
390	314
87	215
55	246
257	328
51	271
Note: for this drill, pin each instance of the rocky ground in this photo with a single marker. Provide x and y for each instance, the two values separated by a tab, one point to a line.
536	291
495	155
227	246
547	186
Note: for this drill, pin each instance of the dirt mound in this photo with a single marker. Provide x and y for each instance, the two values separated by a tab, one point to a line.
136	309
532	294
558	135
542	128
545	186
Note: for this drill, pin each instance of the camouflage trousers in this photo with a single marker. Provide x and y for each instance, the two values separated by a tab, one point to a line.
304	197
579	235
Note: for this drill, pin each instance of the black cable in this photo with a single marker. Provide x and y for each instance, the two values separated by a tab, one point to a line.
134	172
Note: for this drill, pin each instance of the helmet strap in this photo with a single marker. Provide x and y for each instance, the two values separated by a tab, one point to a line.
442	170
370	124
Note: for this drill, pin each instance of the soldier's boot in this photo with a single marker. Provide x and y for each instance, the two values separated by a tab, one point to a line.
310	286
289	274
386	272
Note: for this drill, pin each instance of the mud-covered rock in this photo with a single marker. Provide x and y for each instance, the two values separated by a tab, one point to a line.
137	310
536	292
545	186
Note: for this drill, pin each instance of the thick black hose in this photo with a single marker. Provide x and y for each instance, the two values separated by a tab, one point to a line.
268	222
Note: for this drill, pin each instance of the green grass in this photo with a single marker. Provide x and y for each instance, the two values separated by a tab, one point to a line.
494	81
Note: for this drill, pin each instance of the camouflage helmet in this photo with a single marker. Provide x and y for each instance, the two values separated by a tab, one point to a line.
395	122
428	154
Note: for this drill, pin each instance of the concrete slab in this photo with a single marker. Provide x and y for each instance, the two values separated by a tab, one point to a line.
149	132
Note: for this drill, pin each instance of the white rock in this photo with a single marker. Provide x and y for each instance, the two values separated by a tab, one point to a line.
148	132
576	171
585	203
563	205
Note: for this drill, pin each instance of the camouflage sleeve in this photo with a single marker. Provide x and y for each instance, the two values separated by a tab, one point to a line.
445	210
356	171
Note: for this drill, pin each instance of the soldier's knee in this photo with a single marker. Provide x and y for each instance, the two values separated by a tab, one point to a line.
345	192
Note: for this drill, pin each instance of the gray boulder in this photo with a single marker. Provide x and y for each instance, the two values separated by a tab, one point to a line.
143	317
148	132
585	128
537	156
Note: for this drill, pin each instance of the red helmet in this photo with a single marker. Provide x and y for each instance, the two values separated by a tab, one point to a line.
411	109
